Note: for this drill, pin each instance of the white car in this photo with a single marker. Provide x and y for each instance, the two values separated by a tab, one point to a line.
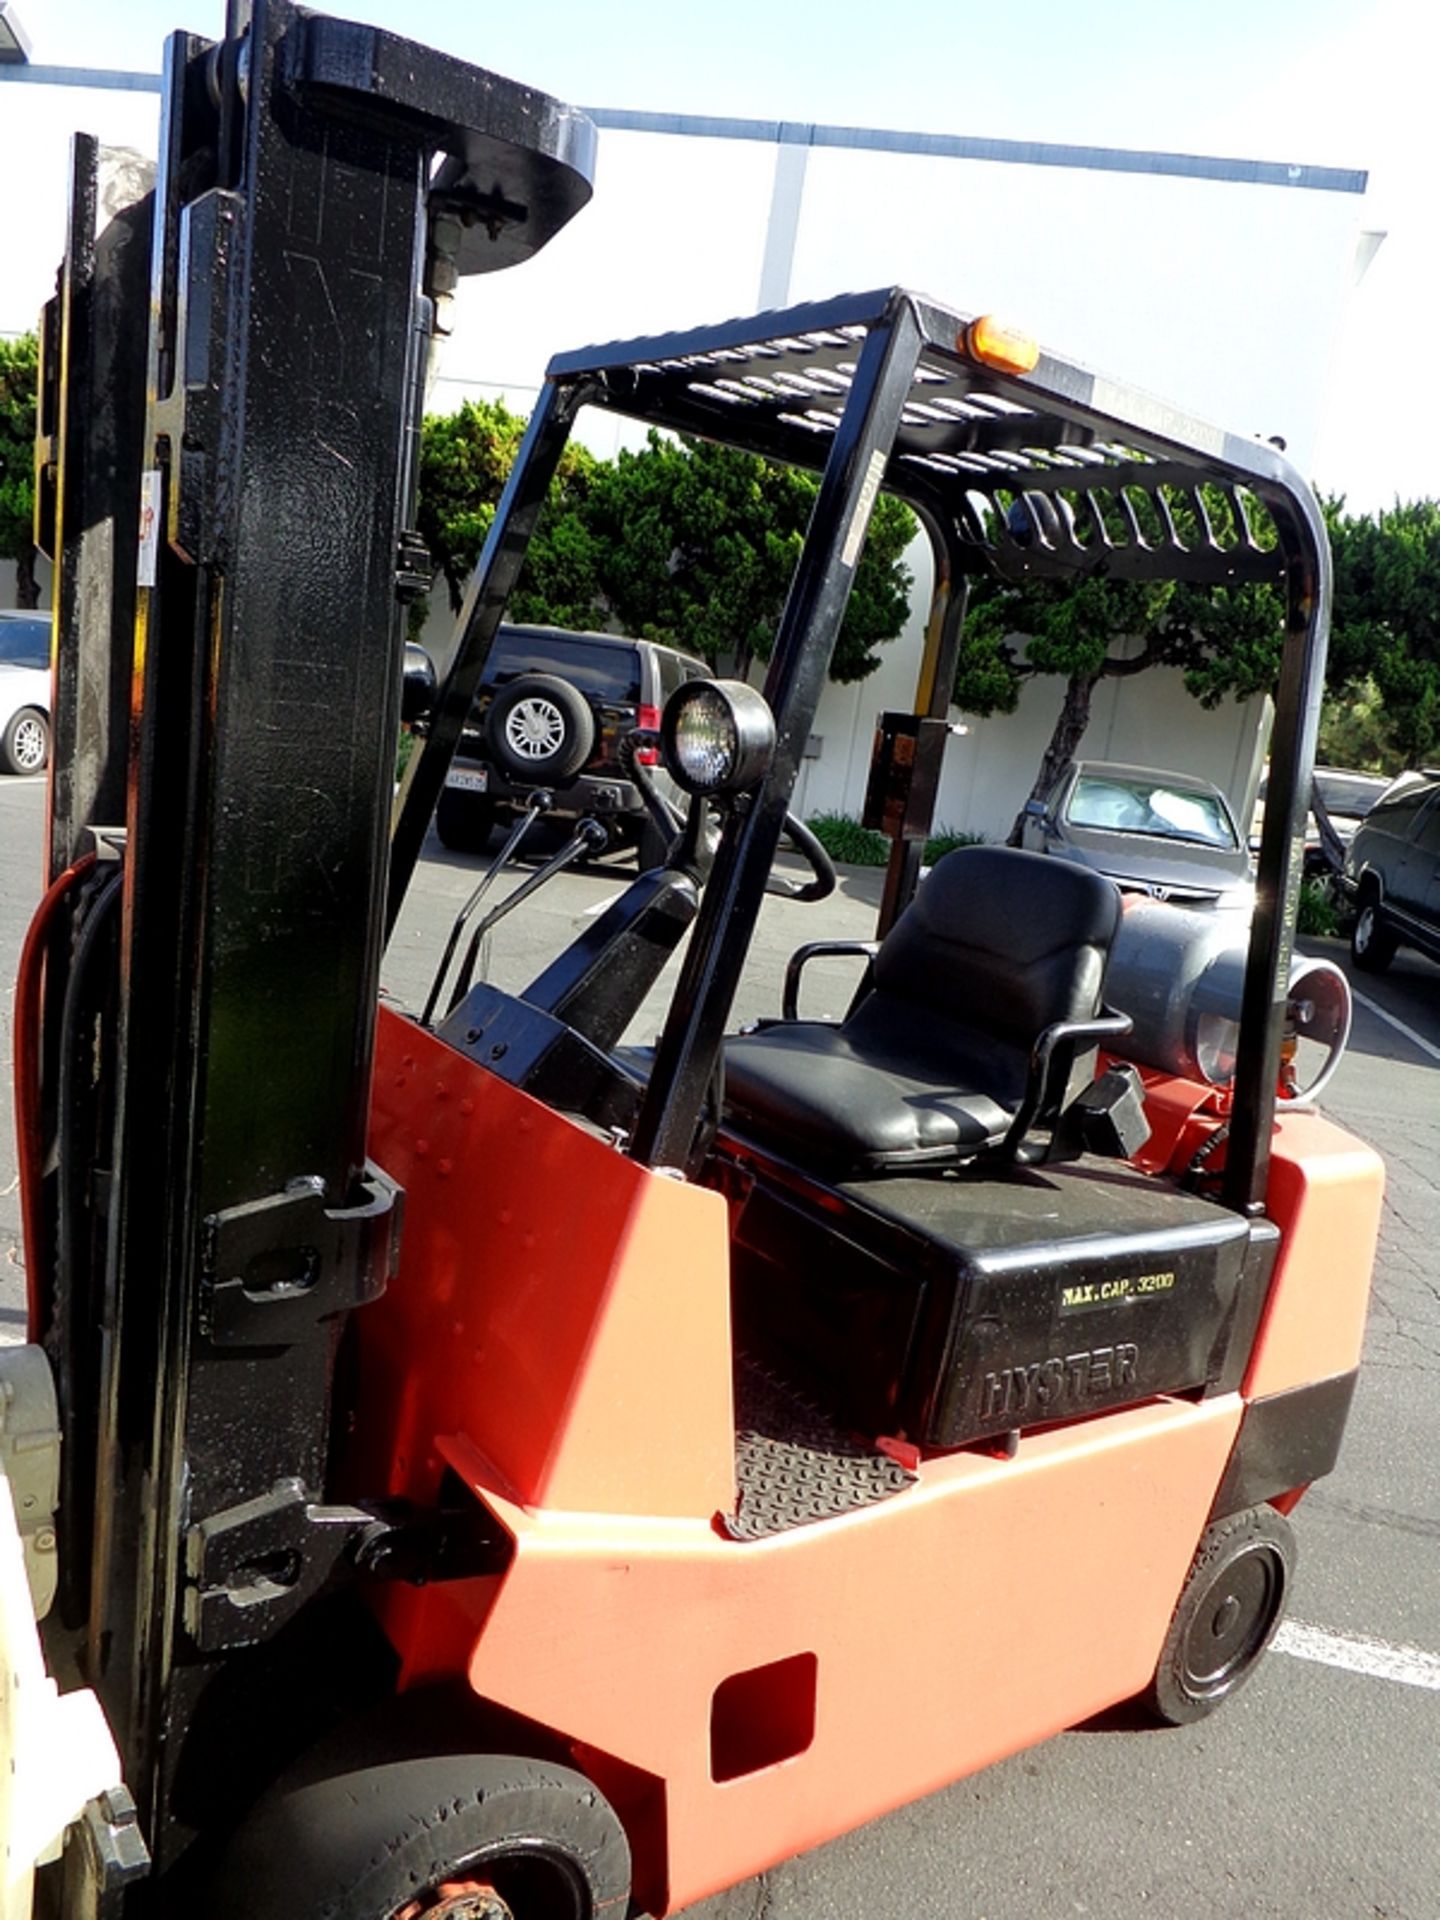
24	692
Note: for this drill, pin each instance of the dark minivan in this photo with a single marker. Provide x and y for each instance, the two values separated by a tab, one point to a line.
551	712
1392	872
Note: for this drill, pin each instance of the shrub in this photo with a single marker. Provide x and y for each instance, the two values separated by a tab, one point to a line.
1319	909
843	838
946	841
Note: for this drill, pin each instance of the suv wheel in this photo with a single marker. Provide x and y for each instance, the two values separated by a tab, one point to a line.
540	728
1372	944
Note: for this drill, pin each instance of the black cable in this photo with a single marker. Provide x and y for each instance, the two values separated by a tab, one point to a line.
72	1332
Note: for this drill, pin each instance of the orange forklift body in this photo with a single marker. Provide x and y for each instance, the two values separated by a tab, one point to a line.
692	1675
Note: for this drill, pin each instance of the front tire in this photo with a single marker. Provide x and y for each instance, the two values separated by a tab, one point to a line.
1229	1609
25	743
1373	944
432	1838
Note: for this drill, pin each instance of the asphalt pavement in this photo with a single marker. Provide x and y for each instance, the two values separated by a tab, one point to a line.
1313	1796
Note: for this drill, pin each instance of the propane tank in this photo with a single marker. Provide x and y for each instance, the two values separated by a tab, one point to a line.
1179	973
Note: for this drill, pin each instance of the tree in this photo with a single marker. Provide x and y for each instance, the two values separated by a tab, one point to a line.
18	372
1385	632
698	544
1090	628
465	458
684	542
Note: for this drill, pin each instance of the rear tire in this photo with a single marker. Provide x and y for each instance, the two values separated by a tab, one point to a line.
464	821
25	743
1229	1608
441	1835
1373	945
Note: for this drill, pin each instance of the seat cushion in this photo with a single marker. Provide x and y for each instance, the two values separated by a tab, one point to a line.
805	1088
933	1064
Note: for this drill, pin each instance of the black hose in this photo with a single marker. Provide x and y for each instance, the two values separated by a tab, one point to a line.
73	1332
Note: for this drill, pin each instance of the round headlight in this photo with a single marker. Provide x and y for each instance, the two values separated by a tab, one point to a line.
717	736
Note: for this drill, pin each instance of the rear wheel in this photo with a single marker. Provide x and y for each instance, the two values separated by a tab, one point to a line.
1373	944
25	743
1229	1609
447	1837
464	821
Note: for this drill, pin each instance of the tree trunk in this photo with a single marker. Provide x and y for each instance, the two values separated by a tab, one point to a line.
1070	725
27	587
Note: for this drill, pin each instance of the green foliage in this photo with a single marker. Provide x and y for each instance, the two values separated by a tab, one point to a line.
1356	731
699	543
1088	627
1319	916
946	840
1225	640
844	839
18	372
465	458
1385	631
682	542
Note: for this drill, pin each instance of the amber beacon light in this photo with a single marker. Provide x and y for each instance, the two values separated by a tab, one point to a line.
1002	347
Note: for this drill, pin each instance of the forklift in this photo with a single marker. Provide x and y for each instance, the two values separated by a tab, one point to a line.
506	1472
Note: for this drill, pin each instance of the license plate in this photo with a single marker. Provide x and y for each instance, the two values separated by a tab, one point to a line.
468	779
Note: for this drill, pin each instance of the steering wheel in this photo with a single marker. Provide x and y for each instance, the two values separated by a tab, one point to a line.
810	850
669	822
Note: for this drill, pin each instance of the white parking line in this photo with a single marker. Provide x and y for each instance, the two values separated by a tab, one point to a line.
1415	1039
1379	1659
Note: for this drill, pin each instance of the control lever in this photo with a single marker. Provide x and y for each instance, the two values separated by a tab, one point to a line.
589	837
540	802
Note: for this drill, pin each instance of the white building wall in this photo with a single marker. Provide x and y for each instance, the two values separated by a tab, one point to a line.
7	581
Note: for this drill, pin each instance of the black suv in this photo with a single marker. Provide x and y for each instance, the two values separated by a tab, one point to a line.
551	712
1392	871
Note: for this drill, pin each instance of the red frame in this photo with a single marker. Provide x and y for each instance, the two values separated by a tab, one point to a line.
559	1336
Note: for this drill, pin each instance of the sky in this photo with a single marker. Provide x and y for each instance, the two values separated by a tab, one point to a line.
1314	82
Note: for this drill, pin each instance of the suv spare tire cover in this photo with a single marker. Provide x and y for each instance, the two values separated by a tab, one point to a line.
540	728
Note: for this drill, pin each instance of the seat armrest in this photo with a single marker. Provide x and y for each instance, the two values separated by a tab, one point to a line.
790	992
1067	1035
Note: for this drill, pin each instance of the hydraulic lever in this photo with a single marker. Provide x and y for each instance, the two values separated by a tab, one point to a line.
540	802
589	837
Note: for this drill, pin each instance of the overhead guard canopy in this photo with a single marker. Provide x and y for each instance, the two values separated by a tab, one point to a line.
972	440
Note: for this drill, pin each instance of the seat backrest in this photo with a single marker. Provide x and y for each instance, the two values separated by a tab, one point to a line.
1001	941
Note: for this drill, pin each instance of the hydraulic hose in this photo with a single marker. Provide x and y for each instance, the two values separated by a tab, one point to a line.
29	1003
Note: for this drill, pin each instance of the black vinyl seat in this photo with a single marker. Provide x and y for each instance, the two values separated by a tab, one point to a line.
978	999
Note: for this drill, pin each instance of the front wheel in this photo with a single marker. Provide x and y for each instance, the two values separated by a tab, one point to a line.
1227	1614
445	1837
25	743
1373	945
